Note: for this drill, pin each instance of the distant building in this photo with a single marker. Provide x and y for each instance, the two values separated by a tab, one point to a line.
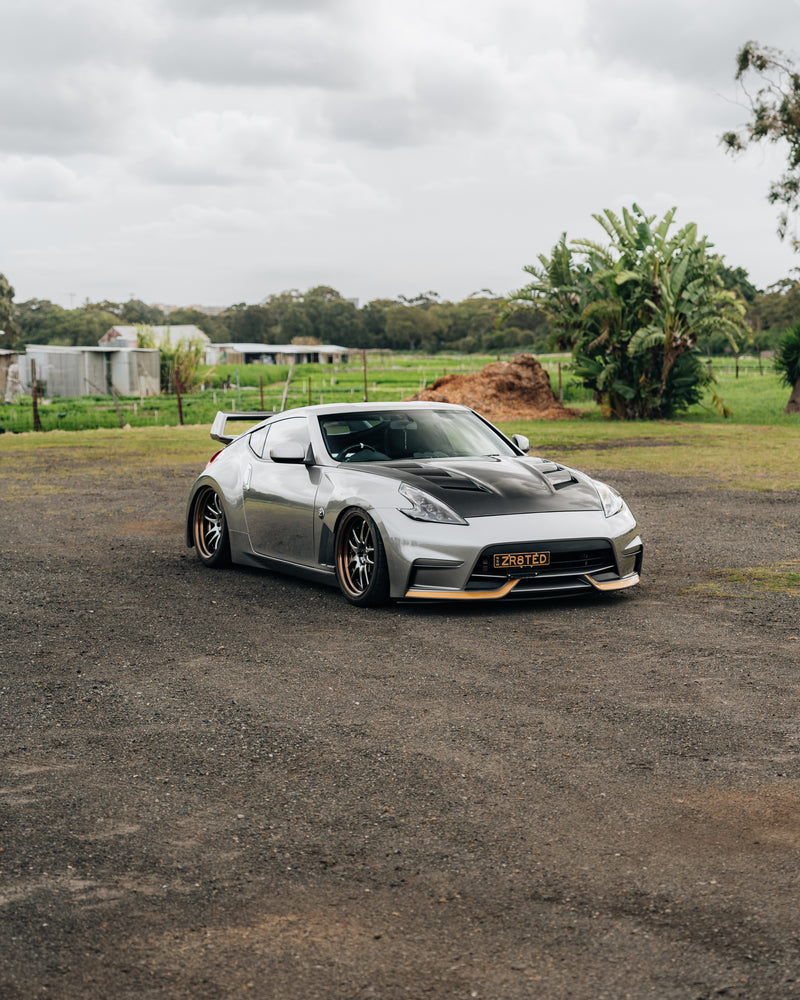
127	336
93	371
275	354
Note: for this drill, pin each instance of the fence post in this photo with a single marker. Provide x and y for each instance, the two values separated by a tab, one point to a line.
286	387
37	423
116	406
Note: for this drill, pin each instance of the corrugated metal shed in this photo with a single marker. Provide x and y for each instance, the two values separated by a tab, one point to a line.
93	371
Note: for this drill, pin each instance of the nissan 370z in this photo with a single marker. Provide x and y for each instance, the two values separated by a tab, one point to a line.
407	501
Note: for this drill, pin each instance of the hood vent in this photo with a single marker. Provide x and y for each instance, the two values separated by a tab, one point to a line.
445	480
556	475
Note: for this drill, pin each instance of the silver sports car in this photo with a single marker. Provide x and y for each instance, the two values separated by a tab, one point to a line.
407	501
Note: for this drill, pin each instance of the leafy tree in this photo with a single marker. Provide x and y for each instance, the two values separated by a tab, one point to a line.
134	311
187	356
296	323
334	320
633	311
43	322
373	320
787	363
424	300
180	362
738	278
321	313
249	324
778	307
472	319
412	328
774	106
213	326
279	304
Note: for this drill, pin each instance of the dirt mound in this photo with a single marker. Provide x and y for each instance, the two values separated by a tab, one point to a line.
506	390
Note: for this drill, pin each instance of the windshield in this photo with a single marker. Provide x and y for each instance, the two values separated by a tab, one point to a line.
389	435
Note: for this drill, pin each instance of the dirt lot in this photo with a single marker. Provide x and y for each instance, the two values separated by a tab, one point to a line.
232	784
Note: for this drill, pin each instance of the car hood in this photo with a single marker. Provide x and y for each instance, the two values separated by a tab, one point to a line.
481	487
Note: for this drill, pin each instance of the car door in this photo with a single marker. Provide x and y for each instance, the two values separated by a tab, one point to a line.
279	495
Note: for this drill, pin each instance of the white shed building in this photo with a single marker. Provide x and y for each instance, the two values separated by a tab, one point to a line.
93	371
276	354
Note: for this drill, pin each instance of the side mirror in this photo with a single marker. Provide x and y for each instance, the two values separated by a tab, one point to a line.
288	453
521	442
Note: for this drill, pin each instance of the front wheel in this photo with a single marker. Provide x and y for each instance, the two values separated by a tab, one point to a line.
361	569
210	529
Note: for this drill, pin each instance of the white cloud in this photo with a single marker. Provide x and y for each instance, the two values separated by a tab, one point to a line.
298	48
37	179
217	148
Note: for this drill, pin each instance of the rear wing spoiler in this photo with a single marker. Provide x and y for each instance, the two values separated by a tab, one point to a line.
218	431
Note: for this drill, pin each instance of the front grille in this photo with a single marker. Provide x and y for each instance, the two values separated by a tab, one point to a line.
566	559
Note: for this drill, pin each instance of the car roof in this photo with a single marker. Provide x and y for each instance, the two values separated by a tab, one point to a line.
324	409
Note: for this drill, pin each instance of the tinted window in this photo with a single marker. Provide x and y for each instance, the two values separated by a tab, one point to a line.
257	439
389	435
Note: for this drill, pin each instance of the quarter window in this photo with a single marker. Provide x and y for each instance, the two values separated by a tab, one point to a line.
257	439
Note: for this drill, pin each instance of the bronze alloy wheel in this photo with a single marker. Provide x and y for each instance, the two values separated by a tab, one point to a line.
361	568
210	530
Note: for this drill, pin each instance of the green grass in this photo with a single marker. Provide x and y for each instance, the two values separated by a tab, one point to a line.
756	581
736	456
756	448
389	377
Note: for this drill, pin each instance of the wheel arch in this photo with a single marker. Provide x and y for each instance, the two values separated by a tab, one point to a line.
367	513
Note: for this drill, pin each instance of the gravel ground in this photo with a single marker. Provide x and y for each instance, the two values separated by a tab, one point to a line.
233	784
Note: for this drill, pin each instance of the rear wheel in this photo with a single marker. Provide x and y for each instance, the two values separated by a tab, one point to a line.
210	529
361	569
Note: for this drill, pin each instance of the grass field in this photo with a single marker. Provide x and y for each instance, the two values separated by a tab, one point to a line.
758	447
754	398
763	458
254	387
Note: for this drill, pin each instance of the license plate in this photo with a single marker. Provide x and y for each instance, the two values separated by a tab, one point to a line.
519	560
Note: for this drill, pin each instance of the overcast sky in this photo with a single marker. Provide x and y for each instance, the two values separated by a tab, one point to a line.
218	151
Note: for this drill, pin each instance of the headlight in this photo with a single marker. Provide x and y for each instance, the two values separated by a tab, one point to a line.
426	508
611	500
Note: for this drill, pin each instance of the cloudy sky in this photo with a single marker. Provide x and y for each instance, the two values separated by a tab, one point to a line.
218	151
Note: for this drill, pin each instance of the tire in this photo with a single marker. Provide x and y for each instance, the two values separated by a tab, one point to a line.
210	529
361	569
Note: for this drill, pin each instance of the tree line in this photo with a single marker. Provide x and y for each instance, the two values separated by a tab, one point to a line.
424	323
482	323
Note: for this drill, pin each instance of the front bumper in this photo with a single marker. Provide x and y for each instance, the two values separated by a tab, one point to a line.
447	562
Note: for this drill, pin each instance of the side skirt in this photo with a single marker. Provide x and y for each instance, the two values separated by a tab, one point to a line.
322	574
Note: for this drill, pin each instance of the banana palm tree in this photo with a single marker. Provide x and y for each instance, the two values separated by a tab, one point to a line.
787	363
633	310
